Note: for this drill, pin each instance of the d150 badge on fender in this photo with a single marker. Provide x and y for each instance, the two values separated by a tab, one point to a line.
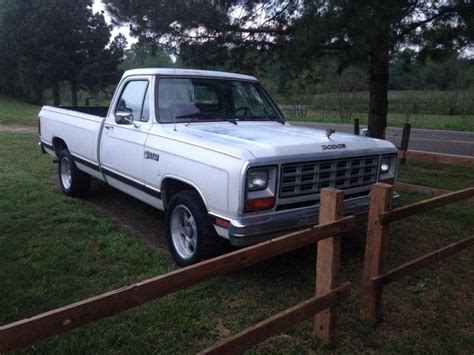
151	155
333	146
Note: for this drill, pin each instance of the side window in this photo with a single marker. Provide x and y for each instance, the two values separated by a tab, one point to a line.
134	100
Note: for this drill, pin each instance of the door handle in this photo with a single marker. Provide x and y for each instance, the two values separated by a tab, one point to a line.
109	127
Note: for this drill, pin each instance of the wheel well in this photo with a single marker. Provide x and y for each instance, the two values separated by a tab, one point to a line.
58	145
170	187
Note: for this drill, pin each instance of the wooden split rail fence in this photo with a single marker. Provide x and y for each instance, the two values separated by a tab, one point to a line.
381	214
451	159
323	305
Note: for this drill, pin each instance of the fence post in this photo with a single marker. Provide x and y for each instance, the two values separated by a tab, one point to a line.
356	126
405	140
328	262
376	248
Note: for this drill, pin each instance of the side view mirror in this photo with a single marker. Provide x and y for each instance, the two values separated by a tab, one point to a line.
125	118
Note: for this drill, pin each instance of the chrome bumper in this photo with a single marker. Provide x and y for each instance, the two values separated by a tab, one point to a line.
255	229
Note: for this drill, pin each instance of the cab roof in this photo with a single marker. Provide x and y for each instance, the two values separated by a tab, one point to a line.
188	72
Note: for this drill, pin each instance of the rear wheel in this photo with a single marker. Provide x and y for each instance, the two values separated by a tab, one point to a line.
191	236
74	182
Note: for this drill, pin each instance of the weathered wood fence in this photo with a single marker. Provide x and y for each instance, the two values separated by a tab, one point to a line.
451	159
381	214
424	190
327	295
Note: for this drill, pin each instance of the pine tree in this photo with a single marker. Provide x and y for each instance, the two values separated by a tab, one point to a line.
360	31
43	43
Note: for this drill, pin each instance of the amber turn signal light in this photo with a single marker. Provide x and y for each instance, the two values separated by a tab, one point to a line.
259	204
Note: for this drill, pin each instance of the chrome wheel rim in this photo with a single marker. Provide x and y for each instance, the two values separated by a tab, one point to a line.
65	170
183	232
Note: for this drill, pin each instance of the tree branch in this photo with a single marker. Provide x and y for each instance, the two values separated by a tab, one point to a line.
413	26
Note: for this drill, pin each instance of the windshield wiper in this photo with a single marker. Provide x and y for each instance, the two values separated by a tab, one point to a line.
278	119
194	116
198	115
262	118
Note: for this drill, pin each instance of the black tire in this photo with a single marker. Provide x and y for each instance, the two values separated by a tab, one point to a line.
79	183
207	239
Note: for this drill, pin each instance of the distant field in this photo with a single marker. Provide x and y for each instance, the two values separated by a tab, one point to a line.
447	110
443	122
404	102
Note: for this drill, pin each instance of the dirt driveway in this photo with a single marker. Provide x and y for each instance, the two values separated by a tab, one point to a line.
17	129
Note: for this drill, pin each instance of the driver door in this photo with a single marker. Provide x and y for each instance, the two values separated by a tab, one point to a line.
125	133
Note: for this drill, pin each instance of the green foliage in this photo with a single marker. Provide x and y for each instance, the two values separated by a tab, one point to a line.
145	55
451	73
43	43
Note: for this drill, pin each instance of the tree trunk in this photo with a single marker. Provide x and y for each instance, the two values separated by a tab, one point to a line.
378	87
37	94
56	95
74	94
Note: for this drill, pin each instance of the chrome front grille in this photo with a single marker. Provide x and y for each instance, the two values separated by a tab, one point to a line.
306	178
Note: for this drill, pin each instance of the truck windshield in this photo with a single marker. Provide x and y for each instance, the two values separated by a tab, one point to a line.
199	99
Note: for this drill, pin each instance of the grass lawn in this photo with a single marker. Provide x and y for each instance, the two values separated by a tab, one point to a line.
434	175
57	250
16	112
426	121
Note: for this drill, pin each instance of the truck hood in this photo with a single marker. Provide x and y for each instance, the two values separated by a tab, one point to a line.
257	140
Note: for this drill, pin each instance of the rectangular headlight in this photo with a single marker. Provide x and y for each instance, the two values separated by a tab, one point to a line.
257	179
385	164
260	188
388	168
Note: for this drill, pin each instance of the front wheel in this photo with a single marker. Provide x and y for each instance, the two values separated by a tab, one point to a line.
191	236
74	182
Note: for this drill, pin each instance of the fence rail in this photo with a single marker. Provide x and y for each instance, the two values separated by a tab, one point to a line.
417	264
240	342
424	190
381	214
426	205
451	159
27	331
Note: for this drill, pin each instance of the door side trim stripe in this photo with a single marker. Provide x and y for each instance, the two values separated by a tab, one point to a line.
85	162
133	183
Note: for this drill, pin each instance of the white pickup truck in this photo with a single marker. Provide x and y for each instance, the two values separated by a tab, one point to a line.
213	150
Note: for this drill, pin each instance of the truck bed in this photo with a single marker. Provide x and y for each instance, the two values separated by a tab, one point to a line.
79	127
90	110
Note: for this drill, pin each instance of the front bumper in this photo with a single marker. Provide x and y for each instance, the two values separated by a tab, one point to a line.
255	229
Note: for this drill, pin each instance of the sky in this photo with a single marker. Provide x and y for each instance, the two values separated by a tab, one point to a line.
98	6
